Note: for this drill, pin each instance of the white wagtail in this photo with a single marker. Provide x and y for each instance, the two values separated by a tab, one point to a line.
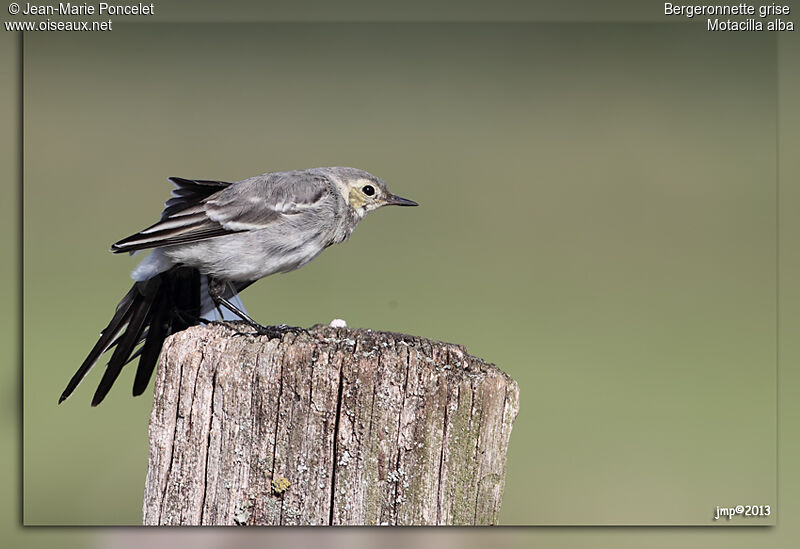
216	238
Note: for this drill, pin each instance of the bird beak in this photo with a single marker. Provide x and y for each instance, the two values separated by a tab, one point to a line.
393	200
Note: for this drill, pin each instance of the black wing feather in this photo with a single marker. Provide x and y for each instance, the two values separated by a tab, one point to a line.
197	226
168	237
190	192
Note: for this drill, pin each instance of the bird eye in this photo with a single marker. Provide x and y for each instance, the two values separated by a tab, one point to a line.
368	190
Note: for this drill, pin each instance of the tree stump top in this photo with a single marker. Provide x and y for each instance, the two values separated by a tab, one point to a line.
337	426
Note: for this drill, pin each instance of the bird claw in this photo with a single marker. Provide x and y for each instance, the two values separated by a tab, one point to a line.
285	328
279	330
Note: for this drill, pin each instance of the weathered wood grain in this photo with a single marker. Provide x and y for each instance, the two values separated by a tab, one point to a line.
338	426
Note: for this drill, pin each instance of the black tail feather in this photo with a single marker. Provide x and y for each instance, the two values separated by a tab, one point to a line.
149	312
185	292
159	329
108	338
132	336
170	316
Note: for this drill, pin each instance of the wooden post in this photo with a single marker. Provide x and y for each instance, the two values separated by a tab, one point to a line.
338	426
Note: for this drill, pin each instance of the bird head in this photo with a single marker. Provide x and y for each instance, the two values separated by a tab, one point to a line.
364	192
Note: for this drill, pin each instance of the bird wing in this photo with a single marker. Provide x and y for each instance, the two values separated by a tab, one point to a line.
248	205
258	202
188	192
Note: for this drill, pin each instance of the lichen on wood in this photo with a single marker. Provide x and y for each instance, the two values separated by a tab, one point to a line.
336	426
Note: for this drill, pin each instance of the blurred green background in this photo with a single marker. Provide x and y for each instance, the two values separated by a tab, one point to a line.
598	218
545	402
86	492
122	488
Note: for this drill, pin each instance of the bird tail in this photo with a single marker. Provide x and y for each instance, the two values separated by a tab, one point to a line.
152	310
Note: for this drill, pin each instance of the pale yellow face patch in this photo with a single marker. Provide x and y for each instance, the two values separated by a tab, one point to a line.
357	198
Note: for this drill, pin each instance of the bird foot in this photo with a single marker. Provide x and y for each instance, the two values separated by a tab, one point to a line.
272	332
279	330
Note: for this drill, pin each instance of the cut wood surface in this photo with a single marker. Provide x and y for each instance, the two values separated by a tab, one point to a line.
337	426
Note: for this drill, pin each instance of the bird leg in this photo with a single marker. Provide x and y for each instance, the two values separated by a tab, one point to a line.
190	319
216	290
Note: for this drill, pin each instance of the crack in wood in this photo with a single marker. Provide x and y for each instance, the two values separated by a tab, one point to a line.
337	416
208	442
277	425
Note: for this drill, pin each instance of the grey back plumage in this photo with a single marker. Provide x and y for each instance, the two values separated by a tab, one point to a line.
258	201
274	222
195	214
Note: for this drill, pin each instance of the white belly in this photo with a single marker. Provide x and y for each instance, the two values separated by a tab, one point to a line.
245	256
